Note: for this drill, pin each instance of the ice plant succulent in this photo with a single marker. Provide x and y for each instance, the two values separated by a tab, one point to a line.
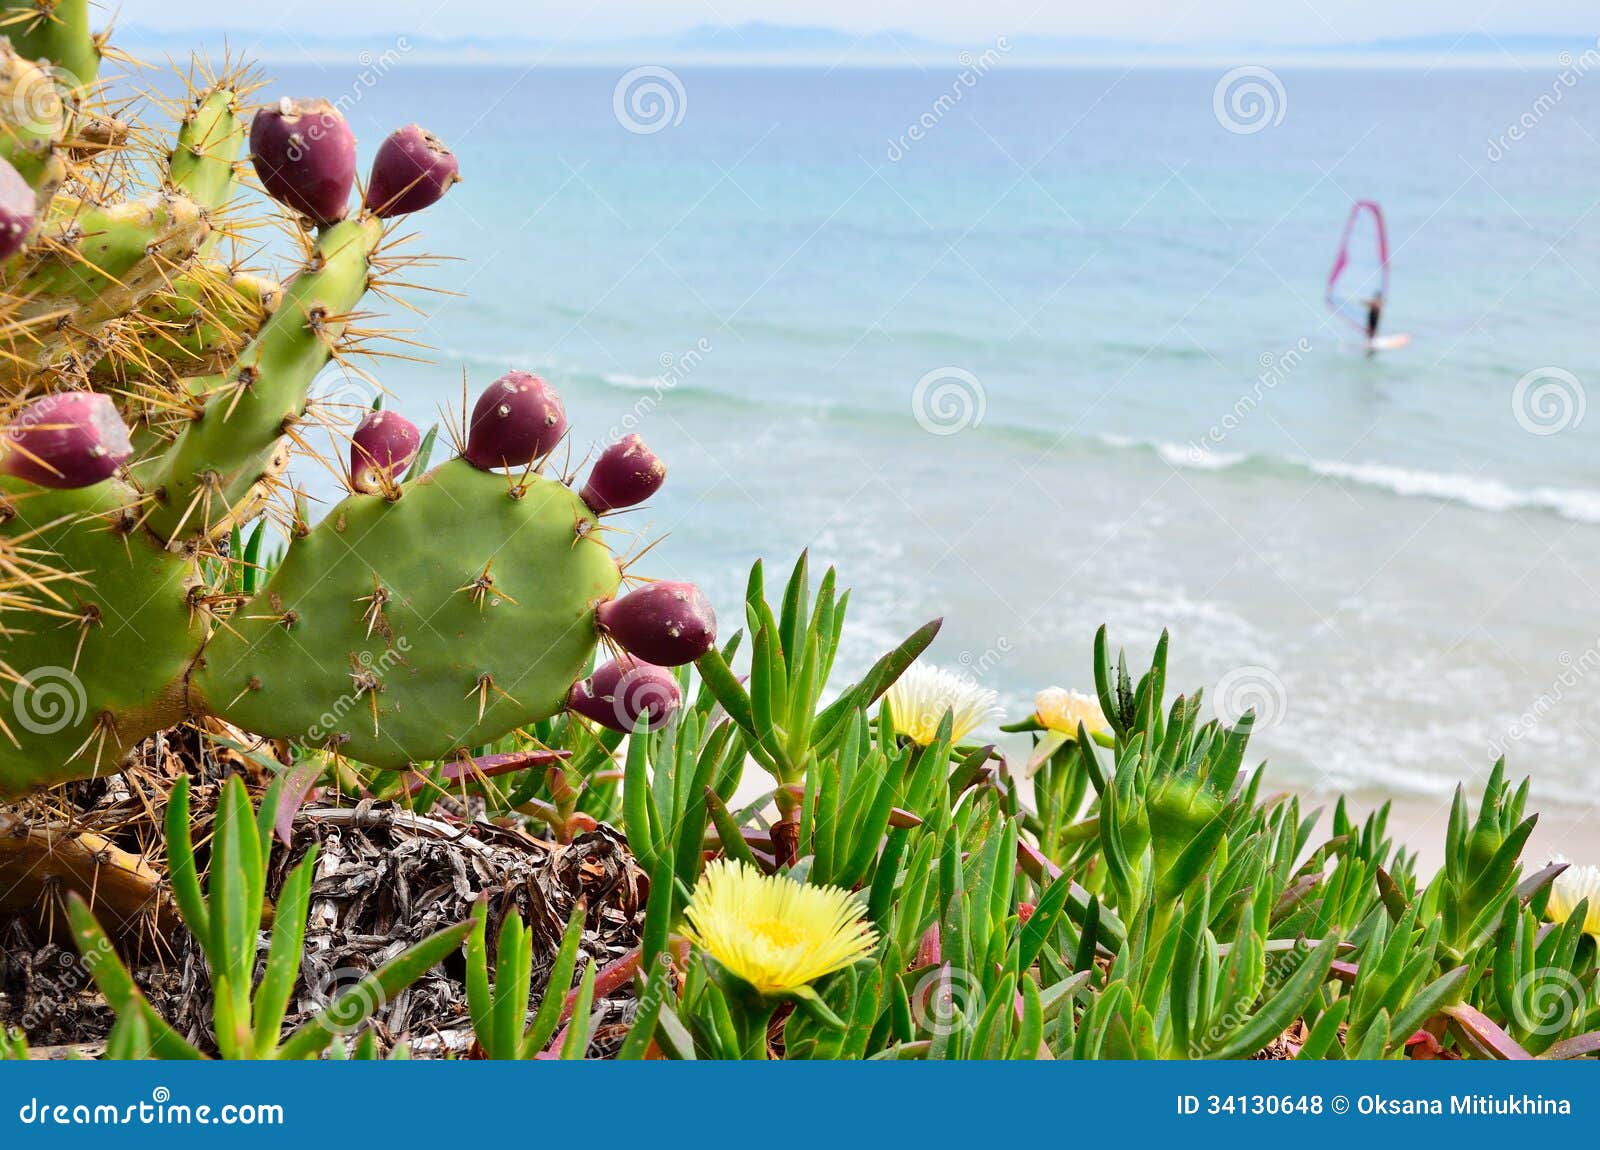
1574	885
775	934
772	937
920	699
1060	711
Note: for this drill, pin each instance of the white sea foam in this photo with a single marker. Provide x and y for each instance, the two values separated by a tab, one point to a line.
1485	493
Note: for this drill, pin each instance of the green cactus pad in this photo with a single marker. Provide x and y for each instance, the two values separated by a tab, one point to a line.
32	122
57	31
130	607
210	471
209	142
305	659
197	327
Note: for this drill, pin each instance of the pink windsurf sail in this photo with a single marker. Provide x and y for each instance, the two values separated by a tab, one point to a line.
1360	266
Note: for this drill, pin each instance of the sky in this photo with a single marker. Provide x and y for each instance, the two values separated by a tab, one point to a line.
1325	22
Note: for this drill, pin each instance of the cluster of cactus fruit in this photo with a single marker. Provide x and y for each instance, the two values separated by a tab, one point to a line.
151	394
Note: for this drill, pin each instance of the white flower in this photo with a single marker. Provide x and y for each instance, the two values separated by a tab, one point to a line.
922	697
1571	887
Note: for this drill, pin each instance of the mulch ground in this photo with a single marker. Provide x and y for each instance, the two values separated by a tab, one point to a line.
384	879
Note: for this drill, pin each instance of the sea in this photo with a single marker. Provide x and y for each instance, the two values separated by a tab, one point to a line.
1034	350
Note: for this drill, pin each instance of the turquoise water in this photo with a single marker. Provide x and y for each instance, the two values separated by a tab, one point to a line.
1140	411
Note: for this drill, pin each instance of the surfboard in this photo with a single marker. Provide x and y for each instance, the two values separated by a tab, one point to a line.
1390	342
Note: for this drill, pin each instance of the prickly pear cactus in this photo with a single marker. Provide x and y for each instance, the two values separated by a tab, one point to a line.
422	616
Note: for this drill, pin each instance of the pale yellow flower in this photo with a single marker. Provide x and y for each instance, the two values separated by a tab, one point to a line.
922	696
772	932
1571	887
1062	710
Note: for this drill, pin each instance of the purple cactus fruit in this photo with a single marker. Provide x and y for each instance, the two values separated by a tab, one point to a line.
412	170
627	473
73	439
518	418
621	691
305	157
664	623
17	209
382	447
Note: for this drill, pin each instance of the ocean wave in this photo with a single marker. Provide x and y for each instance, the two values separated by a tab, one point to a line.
1483	493
1480	492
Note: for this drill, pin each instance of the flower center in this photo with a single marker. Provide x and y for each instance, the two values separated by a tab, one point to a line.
778	933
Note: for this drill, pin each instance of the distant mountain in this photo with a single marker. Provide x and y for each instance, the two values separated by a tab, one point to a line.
765	42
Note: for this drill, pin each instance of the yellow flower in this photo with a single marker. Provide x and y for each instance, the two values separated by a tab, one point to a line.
922	696
1571	887
774	933
1062	710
